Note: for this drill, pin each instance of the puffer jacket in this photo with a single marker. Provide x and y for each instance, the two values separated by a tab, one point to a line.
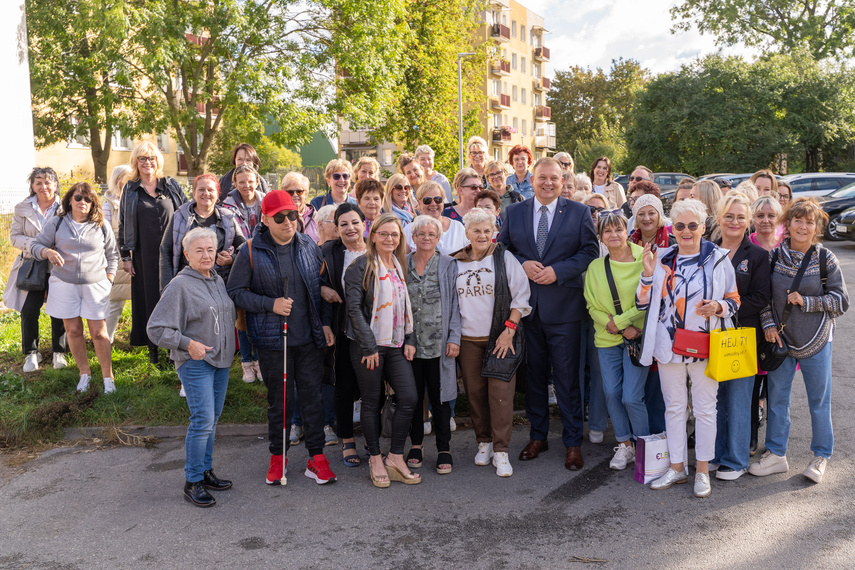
255	288
127	238
234	203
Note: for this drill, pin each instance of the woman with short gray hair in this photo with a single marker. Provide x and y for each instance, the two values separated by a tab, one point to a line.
431	284
194	320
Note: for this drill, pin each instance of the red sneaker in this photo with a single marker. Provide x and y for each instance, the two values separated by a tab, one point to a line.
276	469
318	468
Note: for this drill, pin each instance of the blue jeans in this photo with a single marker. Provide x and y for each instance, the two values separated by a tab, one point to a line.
623	384
733	423
816	371
247	351
328	396
655	401
205	386
598	413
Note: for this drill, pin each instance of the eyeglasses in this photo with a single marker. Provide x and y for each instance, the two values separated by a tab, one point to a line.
151	159
476	153
435	200
596	209
474	187
327	222
422	235
280	216
297	191
79	197
693	226
636	178
497	173
341	176
566	164
402	187
386	235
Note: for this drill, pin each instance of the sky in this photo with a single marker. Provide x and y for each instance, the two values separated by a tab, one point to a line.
592	33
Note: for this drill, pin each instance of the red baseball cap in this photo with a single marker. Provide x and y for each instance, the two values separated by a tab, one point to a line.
276	201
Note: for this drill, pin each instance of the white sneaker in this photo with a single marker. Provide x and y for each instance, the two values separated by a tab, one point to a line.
248	372
83	385
59	361
429	428
181	392
815	469
31	362
485	453
624	454
296	434
109	386
713	467
453	425
330	438
550	390
257	368
357	411
769	464
595	436
502	464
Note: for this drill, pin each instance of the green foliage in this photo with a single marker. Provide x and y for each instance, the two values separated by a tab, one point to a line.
425	109
722	114
274	156
607	143
826	28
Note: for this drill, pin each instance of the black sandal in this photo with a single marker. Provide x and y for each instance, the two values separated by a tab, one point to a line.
350	460
415	458
444	458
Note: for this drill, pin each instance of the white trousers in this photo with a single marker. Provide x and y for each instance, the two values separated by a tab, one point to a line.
676	393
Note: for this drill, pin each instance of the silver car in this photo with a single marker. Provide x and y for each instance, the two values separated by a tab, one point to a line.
818	183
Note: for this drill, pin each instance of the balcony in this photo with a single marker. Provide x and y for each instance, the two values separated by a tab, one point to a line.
544	141
501	136
350	138
501	101
500	67
541	54
541	83
542	113
501	33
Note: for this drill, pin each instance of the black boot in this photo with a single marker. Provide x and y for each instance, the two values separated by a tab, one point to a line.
153	356
213	483
198	495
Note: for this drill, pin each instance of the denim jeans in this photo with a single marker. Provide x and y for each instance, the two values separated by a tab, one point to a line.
733	423
623	384
654	400
328	396
247	351
816	371
592	391
205	386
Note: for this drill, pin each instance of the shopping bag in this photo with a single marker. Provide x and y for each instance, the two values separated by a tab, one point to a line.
733	354
651	457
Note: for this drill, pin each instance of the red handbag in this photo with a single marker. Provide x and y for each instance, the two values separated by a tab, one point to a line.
694	344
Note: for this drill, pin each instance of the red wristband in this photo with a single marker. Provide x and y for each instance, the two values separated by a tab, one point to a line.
511	325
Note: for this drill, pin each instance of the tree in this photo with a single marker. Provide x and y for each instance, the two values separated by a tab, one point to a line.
274	157
825	27
426	90
80	83
585	103
304	63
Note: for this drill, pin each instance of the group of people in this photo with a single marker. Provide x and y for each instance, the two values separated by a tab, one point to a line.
522	278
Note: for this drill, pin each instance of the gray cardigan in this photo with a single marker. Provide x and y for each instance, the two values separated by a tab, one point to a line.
447	271
89	256
194	307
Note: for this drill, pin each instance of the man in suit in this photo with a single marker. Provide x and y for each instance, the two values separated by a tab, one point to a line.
554	239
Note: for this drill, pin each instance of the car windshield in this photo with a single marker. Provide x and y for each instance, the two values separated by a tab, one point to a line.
847	191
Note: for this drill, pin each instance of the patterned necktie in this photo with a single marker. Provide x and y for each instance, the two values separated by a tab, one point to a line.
542	231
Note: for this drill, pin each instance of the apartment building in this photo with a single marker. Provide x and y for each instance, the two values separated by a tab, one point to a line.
513	109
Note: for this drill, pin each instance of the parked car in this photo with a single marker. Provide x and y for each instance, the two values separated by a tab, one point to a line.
834	205
844	225
818	183
717	175
736	179
623	180
668	183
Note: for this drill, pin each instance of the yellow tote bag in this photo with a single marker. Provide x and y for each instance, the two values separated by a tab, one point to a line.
733	353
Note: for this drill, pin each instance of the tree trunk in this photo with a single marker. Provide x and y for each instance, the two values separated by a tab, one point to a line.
812	159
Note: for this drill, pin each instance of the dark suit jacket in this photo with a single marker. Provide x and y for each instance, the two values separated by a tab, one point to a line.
331	271
753	282
570	247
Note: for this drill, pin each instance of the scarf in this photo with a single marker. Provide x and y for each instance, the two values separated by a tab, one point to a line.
383	322
661	239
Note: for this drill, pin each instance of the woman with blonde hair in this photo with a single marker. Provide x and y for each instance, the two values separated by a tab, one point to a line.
399	199
467	183
765	182
497	181
367	167
430	200
709	194
121	290
476	150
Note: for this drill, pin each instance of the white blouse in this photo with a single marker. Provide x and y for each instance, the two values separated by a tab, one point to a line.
453	239
475	288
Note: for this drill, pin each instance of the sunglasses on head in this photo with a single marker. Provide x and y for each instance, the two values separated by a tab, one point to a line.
341	176
279	217
435	200
566	164
693	226
79	197
402	187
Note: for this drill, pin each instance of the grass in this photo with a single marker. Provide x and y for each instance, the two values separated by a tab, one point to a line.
35	407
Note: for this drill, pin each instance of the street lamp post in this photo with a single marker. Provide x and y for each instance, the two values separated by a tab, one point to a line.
460	57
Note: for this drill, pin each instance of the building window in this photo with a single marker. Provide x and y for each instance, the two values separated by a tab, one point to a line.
504	87
514	92
497	87
522	96
122	143
516	124
495	153
387	156
522	32
163	142
523	131
522	65
514	28
504	119
536	70
537	100
513	61
79	141
497	121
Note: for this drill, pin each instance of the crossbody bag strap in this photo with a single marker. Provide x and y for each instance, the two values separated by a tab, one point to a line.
610	278
795	285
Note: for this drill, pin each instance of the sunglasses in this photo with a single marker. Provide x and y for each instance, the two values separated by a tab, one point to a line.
280	216
636	178
292	192
435	200
402	187
693	226
566	164
596	209
615	212
474	187
79	197
341	176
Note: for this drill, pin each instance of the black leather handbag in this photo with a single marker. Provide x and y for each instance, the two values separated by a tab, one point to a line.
32	275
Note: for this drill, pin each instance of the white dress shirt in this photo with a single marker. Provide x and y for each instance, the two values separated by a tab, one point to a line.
550	213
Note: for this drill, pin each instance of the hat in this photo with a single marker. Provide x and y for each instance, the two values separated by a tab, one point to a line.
276	201
649	200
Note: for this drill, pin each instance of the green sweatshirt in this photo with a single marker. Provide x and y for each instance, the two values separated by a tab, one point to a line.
599	297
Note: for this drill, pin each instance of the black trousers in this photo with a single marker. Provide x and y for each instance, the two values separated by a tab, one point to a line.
397	371
305	373
30	325
346	388
426	372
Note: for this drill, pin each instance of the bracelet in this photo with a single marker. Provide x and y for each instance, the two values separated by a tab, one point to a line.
511	324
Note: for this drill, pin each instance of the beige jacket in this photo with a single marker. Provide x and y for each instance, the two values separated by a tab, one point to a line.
121	290
615	194
26	226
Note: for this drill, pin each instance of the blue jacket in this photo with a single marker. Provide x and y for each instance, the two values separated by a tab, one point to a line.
255	289
319	202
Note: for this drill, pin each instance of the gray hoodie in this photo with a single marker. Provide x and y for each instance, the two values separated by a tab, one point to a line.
194	307
89	250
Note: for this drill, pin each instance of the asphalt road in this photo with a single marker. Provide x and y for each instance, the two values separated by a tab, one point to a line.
122	508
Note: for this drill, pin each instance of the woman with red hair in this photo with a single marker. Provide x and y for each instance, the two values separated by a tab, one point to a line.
521	158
